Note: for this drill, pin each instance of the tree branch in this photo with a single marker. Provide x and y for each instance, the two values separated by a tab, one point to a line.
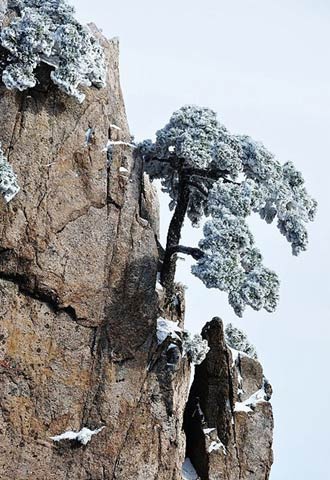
210	176
196	253
206	174
198	187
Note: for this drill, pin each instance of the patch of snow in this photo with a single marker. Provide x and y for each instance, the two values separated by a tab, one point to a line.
171	149
107	147
257	397
167	328
159	286
115	126
242	407
119	142
188	471
123	170
110	143
192	376
239	378
88	136
207	431
83	436
217	445
236	354
9	187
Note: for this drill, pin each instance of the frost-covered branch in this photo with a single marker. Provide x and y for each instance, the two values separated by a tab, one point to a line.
196	347
9	187
238	340
196	253
45	31
209	172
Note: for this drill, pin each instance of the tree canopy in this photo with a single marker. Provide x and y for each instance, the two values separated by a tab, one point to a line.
209	172
46	31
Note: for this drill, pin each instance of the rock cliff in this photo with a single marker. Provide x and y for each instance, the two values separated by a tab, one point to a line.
228	418
79	309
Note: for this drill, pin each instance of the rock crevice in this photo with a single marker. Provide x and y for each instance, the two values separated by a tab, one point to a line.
228	419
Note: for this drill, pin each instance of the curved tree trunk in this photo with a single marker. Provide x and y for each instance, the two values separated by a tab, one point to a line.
173	239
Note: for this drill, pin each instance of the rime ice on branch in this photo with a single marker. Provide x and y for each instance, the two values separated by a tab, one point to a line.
193	345
9	187
238	340
45	31
207	171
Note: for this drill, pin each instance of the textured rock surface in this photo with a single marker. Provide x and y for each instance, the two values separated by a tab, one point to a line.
78	308
78	261
224	444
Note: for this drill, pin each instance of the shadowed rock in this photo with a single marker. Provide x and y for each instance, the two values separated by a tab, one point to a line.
226	438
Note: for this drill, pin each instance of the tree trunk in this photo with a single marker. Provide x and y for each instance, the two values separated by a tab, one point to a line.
173	239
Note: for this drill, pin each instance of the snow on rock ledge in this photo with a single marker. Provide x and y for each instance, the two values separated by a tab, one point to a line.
167	328
84	436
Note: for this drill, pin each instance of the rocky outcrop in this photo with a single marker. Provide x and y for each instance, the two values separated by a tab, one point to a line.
79	307
78	264
228	419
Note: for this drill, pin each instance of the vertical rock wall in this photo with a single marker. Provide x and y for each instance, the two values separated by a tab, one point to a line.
78	305
228	419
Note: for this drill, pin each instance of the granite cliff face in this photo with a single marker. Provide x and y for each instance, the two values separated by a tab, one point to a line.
79	308
228	418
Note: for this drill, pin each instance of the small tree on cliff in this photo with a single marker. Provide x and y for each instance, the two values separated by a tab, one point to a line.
46	31
209	172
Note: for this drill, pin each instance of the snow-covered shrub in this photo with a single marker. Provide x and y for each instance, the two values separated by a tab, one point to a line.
237	339
46	31
195	347
209	172
8	180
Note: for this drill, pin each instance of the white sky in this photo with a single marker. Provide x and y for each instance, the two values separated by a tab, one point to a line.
264	67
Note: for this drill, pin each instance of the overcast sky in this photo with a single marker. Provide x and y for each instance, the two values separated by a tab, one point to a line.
264	67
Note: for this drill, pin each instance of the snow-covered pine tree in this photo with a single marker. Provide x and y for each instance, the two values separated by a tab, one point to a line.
46	31
207	171
195	346
238	340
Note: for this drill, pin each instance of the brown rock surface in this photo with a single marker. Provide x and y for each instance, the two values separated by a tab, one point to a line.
224	442
78	308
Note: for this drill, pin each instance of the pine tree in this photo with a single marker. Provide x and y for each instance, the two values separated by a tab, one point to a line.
209	172
46	31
